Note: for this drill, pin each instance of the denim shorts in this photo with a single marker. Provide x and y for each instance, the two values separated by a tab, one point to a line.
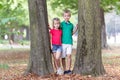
56	48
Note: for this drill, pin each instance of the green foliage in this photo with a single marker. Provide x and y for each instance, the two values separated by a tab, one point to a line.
13	14
4	42
4	66
107	5
60	5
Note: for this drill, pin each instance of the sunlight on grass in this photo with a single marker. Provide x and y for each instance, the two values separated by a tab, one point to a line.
13	50
111	61
106	55
111	58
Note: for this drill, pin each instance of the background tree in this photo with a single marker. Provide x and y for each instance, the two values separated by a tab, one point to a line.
103	27
88	57
40	58
13	16
108	5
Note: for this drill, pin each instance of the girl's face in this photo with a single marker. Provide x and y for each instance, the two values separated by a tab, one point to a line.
66	16
56	24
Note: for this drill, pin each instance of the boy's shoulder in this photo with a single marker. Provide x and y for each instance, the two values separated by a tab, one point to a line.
63	22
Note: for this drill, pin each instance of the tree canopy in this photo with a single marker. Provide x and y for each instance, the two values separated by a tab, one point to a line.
12	15
107	5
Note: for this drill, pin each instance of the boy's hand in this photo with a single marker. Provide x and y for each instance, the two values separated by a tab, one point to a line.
76	26
75	29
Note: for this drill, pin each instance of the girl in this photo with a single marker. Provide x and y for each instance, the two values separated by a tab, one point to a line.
56	34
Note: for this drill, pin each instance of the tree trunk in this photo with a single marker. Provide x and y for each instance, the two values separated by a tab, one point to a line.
103	34
11	37
88	57
40	58
27	33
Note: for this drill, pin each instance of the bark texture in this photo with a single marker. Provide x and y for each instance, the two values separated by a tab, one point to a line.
103	34
88	56
40	57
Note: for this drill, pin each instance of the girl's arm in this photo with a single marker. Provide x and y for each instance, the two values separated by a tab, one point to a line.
51	40
49	26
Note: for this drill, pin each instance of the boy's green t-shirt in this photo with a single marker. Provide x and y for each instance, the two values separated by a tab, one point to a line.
67	29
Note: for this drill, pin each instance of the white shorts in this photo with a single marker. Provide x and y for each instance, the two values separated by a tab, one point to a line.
66	50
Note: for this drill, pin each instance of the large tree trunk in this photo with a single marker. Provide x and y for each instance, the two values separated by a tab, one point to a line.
88	57
40	58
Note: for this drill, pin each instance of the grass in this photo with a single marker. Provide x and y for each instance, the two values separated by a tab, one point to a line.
108	55
14	56
4	42
111	59
13	49
24	42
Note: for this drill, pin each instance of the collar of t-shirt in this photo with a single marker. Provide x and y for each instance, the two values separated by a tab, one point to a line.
67	22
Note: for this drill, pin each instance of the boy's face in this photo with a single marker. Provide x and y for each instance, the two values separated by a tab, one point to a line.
66	16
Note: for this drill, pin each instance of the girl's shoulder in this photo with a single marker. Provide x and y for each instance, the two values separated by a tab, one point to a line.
60	29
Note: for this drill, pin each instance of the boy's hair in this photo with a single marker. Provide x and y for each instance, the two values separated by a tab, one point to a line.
57	19
67	11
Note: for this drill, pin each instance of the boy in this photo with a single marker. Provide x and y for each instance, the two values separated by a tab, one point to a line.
67	32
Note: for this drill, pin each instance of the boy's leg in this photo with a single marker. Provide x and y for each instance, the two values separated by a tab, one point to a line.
69	61
63	56
64	64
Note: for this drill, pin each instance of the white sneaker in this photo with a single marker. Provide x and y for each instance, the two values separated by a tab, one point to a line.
59	71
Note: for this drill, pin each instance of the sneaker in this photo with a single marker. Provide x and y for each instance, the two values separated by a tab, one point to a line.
68	72
65	72
59	71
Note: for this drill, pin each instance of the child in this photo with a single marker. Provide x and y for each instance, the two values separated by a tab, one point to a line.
67	32
56	34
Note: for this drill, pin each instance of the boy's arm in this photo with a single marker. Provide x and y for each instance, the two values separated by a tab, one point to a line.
74	31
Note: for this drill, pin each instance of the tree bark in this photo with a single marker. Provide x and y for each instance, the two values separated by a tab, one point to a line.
40	61
103	34
88	56
27	33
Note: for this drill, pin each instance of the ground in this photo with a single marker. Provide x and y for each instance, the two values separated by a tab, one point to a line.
13	64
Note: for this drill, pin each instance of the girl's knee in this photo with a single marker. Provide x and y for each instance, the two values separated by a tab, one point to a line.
69	55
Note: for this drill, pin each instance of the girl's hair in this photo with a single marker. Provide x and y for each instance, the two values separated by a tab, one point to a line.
55	19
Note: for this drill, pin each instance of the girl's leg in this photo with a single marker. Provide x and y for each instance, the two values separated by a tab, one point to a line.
59	69
58	54
54	61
